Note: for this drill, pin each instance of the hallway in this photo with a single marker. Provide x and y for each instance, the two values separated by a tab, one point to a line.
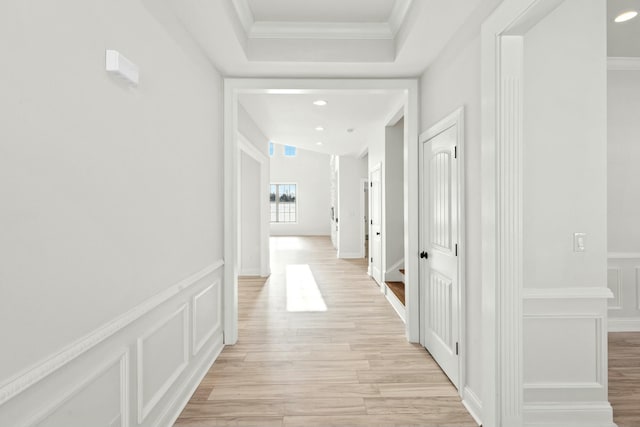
330	351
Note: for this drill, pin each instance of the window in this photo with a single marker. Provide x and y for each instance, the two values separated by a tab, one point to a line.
284	203
271	149
289	151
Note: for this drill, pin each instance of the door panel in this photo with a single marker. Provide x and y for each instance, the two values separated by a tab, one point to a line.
440	199
375	236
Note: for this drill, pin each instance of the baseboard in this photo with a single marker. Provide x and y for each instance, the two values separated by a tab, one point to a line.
471	401
392	273
395	303
623	324
587	414
177	405
250	272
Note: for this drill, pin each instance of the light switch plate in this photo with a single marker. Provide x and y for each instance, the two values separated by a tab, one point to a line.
579	242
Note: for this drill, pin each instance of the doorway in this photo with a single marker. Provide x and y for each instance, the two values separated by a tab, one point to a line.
375	257
442	243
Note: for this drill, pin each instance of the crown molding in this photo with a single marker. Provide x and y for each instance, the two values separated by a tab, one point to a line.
398	15
245	15
320	30
623	63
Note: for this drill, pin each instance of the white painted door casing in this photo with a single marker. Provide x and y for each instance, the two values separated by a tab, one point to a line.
375	233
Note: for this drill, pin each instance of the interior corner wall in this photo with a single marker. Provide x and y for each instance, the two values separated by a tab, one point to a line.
393	216
623	154
112	237
308	169
351	172
249	236
252	133
453	81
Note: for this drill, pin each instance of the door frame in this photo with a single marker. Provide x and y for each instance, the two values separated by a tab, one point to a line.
455	118
502	192
233	88
363	208
249	149
377	167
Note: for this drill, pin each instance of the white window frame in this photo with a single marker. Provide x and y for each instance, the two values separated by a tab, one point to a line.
277	202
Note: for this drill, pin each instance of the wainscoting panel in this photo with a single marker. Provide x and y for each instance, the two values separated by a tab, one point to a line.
139	369
624	281
207	319
564	352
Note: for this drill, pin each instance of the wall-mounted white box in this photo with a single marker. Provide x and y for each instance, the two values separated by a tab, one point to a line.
120	66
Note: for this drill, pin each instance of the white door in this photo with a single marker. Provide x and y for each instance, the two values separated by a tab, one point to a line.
375	236
439	246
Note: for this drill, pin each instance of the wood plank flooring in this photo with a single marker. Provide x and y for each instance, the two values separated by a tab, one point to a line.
346	365
398	290
624	377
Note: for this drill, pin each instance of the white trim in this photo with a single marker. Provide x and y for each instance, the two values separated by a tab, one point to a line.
364	189
471	401
245	15
623	255
233	87
623	324
623	63
321	30
592	414
145	409
180	401
121	359
617	295
392	274
502	210
31	376
395	302
265	209
197	345
398	15
591	292
456	118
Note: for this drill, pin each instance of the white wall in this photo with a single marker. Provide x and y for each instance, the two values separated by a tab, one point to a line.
351	172
393	216
308	170
249	235
623	154
623	188
451	82
250	130
565	191
111	201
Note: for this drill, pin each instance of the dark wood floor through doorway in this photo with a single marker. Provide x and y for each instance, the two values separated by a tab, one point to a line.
624	378
319	345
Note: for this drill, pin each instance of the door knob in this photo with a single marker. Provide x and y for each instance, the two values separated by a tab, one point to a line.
377	233
424	255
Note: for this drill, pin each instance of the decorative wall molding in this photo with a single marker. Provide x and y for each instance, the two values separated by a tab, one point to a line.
615	288
122	359
31	376
145	408
624	64
585	292
472	402
624	255
197	344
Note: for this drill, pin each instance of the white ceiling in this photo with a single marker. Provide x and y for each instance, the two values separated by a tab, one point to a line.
623	38
292	119
412	39
321	10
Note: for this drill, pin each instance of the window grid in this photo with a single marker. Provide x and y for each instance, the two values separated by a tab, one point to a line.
283	198
289	151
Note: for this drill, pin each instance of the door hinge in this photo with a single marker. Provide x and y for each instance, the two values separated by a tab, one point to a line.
371	259
371	184
455	152
456	249
457	349
371	222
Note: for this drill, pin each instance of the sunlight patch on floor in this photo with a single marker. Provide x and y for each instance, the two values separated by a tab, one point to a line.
303	293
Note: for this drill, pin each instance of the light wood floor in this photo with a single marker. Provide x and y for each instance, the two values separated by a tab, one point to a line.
624	378
348	365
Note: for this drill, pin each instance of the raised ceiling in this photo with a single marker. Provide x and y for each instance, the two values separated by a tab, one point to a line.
321	10
623	39
292	119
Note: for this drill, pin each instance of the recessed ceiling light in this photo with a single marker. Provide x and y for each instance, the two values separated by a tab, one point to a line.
626	16
320	102
350	130
318	143
319	128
